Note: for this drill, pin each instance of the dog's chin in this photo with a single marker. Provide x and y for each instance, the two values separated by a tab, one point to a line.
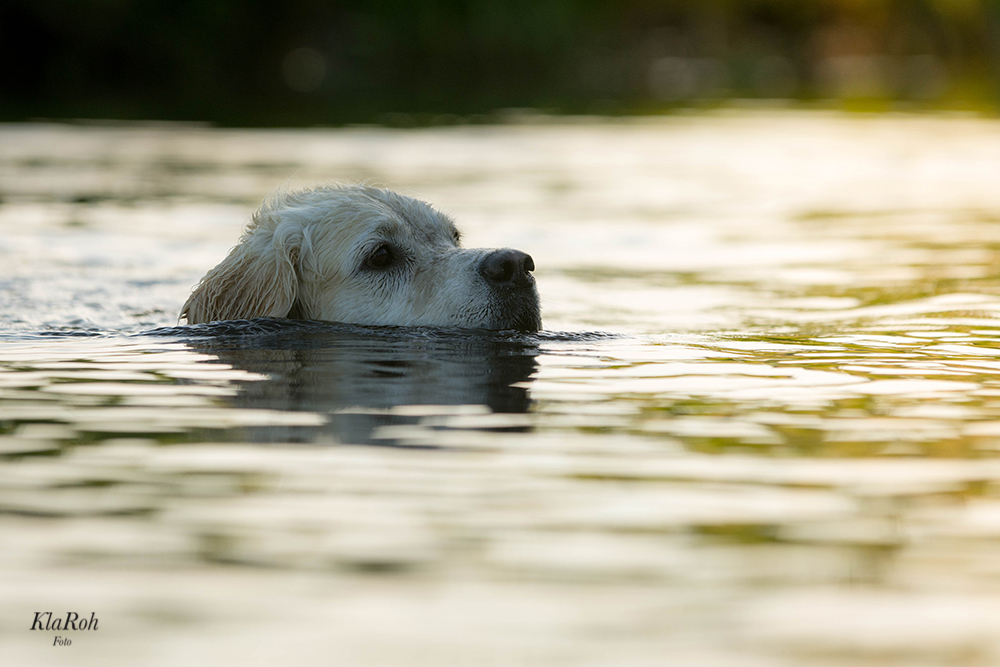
526	322
520	313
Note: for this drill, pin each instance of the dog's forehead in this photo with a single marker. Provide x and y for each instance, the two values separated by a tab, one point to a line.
362	214
413	217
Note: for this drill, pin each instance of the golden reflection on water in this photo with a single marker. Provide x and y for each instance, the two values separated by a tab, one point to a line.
786	454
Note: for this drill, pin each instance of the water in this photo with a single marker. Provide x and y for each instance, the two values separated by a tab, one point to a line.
760	428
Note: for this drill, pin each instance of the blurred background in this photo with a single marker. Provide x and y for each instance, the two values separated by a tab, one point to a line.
395	62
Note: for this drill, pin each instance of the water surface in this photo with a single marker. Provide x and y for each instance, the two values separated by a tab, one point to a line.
760	428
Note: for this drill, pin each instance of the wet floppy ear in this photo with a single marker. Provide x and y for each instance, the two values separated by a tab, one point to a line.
257	279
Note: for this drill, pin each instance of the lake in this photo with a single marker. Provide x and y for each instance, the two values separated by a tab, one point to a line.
761	425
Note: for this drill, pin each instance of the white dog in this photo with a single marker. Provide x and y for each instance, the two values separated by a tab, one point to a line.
363	255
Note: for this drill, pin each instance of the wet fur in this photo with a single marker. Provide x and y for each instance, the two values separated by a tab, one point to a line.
303	255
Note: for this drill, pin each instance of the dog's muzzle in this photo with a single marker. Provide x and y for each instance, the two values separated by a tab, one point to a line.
508	273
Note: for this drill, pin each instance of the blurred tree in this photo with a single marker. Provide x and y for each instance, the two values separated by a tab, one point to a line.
263	62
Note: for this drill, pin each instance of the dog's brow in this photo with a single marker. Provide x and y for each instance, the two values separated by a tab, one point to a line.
430	230
387	228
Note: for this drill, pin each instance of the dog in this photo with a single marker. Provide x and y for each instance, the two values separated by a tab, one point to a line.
364	255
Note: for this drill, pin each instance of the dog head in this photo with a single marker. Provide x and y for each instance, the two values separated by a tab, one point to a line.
364	255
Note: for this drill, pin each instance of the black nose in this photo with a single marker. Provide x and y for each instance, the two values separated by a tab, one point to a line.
507	266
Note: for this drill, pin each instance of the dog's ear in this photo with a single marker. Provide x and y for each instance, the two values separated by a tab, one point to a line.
259	277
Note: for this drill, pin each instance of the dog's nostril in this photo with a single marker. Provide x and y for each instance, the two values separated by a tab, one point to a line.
506	266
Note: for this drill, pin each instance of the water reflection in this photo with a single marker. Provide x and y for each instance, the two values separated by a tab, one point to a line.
789	456
373	382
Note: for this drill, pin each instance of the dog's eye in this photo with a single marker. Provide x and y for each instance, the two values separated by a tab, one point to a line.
381	258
